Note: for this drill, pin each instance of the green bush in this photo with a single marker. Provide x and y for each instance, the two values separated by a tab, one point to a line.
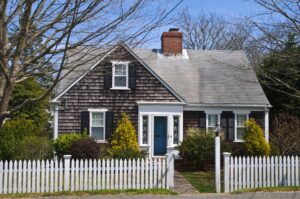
34	147
85	148
62	144
12	132
197	149
255	143
124	141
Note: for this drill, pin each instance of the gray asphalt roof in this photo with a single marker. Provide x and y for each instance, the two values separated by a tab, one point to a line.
200	77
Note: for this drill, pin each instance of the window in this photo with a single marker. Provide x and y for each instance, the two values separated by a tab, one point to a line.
240	126
145	130
212	120
97	125
120	75
175	129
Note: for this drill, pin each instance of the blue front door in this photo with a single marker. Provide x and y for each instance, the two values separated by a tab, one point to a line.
160	135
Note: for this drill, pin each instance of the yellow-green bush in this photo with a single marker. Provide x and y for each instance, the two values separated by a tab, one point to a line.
255	142
124	140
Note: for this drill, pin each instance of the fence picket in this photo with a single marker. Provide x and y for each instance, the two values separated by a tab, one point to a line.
24	176
51	176
33	171
77	167
103	175
112	163
125	174
292	171
272	171
38	174
268	175
10	176
138	168
90	175
56	175
99	175
1	174
284	171
252	172
61	173
264	172
72	182
20	167
15	176
107	174
47	177
296	170
256	176
81	171
147	174
244	172
276	165
288	160
94	175
121	175
117	166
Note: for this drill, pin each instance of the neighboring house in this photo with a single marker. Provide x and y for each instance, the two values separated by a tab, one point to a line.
165	92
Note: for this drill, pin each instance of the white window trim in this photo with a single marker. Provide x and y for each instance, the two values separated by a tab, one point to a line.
235	125
212	112
91	111
141	130
207	115
180	122
113	76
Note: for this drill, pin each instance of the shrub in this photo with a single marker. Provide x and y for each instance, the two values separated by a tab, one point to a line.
62	144
124	140
34	147
85	148
12	132
197	149
255	143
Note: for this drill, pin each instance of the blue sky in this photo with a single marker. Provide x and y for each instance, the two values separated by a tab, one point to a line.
230	9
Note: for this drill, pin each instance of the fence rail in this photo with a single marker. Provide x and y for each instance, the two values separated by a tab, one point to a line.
79	175
254	172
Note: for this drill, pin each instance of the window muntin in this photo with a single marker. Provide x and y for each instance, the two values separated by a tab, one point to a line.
175	129
145	131
240	126
120	75
97	125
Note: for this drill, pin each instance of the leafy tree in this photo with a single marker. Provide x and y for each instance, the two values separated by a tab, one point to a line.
255	143
124	140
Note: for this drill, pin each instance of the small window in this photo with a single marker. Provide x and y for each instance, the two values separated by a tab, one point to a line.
240	126
145	130
97	125
120	75
212	120
175	129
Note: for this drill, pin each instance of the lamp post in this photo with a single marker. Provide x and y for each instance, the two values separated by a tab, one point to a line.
217	158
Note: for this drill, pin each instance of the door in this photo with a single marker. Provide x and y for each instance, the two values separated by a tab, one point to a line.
160	135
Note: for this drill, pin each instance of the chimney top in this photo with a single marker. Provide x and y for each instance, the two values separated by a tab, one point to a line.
173	29
171	42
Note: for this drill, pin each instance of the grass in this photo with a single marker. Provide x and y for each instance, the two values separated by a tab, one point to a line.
269	189
203	181
83	193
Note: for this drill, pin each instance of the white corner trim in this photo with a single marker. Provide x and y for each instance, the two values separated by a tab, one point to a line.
97	110
267	125
84	74
55	122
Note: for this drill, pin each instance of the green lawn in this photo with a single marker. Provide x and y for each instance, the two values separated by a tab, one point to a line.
203	181
81	193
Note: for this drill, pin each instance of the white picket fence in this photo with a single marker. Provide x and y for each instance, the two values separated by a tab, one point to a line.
253	172
81	175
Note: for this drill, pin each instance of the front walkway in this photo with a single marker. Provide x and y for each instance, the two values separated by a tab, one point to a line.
182	186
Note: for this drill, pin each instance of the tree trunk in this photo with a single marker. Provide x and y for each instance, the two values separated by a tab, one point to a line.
7	92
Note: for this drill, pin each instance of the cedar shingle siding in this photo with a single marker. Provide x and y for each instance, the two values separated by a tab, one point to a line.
90	92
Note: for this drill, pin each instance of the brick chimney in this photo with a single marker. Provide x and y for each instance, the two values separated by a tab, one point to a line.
171	42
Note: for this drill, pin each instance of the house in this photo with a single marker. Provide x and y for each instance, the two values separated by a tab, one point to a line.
165	91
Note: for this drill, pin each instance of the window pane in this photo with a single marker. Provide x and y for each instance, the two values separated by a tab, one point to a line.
120	69
120	81
212	120
97	119
241	119
98	133
175	129
240	133
145	129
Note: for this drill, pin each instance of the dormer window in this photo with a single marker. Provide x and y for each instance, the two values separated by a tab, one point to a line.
120	75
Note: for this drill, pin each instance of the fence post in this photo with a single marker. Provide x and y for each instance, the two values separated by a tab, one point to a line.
67	159
170	169
217	164
226	171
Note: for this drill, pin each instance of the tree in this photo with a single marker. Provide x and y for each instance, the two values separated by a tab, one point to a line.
210	32
124	140
277	29
63	25
285	133
255	143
